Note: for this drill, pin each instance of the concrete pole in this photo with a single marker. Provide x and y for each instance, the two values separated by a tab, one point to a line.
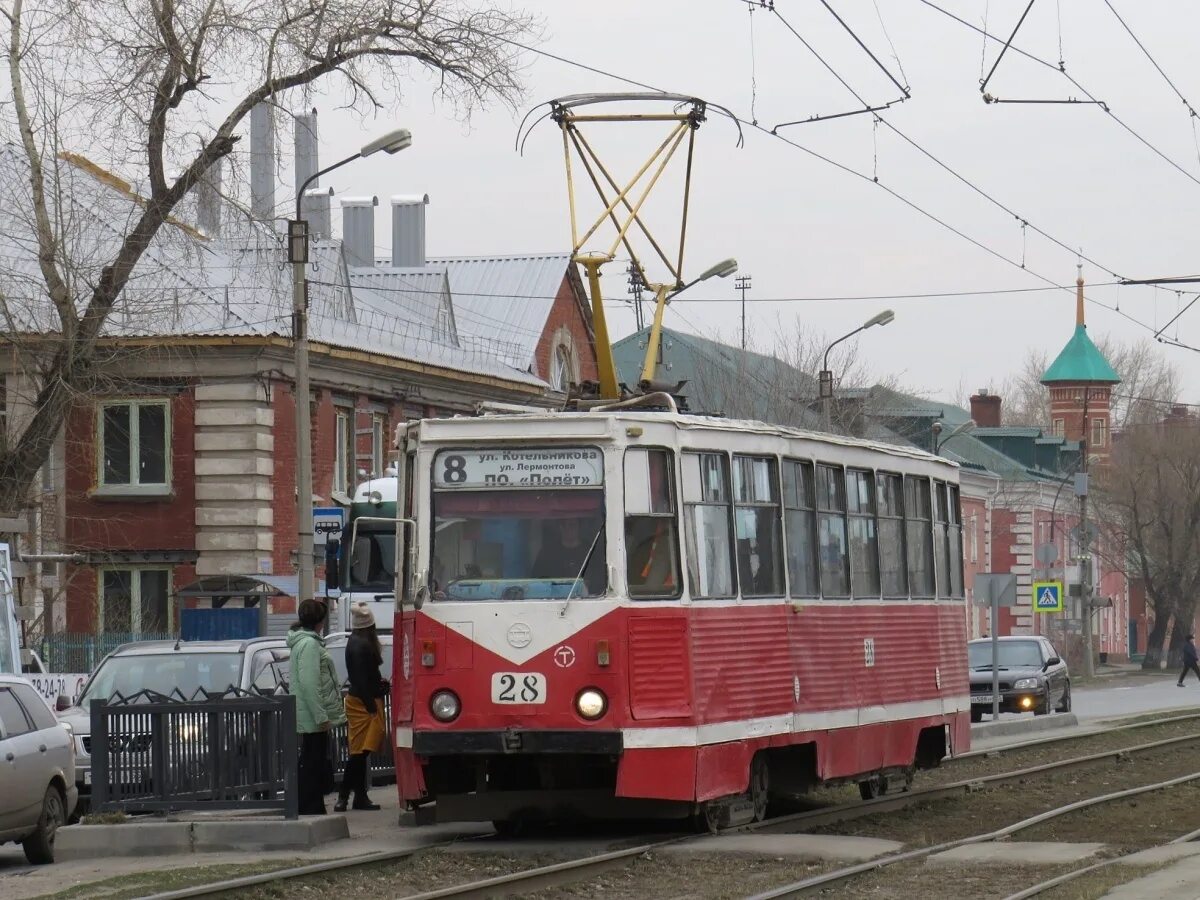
304	490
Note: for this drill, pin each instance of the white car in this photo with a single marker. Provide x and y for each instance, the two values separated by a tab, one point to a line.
37	770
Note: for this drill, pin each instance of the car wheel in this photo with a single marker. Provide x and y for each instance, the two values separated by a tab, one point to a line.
1042	708
1064	705
39	846
873	787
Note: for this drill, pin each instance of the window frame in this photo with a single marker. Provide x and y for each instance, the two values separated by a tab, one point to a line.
685	506
343	449
674	516
1099	435
134	486
909	519
814	545
954	541
872	519
378	444
776	503
135	596
1059	427
840	470
899	517
5	734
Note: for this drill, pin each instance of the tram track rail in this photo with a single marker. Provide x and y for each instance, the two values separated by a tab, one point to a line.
586	867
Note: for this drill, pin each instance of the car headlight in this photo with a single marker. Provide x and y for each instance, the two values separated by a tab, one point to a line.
1026	684
445	706
591	703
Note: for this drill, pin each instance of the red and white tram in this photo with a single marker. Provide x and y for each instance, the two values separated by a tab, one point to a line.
632	613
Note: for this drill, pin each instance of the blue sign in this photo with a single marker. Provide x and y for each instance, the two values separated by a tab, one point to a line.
1047	596
327	521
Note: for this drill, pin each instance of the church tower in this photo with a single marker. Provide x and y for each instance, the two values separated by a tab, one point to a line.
1080	381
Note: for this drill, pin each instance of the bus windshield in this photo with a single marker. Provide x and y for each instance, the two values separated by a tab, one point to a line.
518	525
371	563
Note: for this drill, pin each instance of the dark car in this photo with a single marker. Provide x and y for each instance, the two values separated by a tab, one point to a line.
1033	677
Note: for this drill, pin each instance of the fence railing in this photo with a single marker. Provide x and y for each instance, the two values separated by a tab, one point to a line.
236	750
83	652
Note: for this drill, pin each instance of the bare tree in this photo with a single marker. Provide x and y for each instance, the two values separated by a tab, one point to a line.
158	89
1150	383
1149	506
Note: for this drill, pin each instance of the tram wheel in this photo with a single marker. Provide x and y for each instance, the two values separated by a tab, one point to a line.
759	786
873	787
507	828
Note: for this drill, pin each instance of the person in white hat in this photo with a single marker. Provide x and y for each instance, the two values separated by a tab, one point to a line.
364	706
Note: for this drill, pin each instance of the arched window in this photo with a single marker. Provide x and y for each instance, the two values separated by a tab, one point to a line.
562	368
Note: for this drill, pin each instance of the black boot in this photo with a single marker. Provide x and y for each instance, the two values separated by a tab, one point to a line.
347	785
361	772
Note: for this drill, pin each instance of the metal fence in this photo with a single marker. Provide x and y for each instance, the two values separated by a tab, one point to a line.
234	750
83	652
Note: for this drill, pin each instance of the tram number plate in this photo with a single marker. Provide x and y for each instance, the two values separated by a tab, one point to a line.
981	698
518	687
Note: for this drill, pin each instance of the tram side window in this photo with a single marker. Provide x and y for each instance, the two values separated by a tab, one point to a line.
918	519
892	573
799	500
831	531
941	521
756	511
864	541
652	558
954	543
707	515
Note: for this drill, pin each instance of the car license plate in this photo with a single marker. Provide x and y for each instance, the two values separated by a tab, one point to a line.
518	687
981	698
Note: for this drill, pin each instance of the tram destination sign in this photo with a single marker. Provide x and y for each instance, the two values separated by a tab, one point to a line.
531	467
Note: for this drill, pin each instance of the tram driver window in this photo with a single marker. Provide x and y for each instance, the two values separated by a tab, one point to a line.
756	499
707	516
652	558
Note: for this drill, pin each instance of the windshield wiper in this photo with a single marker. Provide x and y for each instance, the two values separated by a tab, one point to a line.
587	559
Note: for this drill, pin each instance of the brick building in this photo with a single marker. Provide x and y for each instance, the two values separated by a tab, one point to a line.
178	476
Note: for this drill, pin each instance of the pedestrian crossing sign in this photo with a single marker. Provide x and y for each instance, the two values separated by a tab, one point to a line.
1047	596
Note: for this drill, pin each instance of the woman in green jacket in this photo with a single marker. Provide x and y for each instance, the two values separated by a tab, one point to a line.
314	683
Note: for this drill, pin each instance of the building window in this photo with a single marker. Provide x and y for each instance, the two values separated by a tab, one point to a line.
378	450
133	444
343	455
562	368
1060	427
652	557
1099	432
974	538
135	601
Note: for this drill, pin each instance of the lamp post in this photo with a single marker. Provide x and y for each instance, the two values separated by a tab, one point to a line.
939	441
392	142
663	294
826	376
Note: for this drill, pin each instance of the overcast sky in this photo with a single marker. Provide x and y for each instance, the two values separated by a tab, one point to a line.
801	227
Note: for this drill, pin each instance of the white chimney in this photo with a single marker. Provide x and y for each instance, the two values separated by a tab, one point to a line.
262	162
358	230
314	207
408	230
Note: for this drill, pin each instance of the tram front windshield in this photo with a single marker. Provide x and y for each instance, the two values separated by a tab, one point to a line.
518	542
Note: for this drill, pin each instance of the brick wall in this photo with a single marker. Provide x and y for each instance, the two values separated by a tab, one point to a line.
283	482
566	313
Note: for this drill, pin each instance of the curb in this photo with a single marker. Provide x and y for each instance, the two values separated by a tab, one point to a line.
164	838
1029	725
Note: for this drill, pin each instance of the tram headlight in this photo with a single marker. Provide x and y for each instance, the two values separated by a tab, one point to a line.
445	706
591	703
1026	684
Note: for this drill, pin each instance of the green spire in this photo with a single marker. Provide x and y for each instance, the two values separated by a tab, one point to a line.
1080	360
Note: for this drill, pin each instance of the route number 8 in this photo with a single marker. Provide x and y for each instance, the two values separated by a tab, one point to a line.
456	470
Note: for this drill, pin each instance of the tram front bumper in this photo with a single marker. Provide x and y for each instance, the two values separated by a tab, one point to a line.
514	741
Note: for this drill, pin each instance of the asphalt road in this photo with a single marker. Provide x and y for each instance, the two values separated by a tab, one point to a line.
1131	695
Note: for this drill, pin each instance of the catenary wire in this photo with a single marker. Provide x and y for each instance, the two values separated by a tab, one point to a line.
1153	62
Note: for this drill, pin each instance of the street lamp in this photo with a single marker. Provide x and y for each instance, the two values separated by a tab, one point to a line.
826	376
392	142
664	294
939	441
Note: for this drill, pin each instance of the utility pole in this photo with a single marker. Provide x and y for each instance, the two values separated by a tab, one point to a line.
1085	542
742	283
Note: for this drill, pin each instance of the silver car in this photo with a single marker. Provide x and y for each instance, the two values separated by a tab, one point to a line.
171	666
37	770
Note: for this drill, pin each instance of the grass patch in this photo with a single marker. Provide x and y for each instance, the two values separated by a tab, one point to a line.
107	818
140	884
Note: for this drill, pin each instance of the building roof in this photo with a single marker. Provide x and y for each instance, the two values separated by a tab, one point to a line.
1080	361
506	298
187	285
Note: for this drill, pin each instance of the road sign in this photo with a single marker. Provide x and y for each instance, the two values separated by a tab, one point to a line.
1046	554
327	520
1000	589
1093	533
1047	596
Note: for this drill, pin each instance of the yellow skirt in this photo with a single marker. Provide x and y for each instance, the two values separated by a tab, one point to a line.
367	731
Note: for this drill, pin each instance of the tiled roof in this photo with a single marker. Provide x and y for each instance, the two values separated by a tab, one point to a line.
1080	361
